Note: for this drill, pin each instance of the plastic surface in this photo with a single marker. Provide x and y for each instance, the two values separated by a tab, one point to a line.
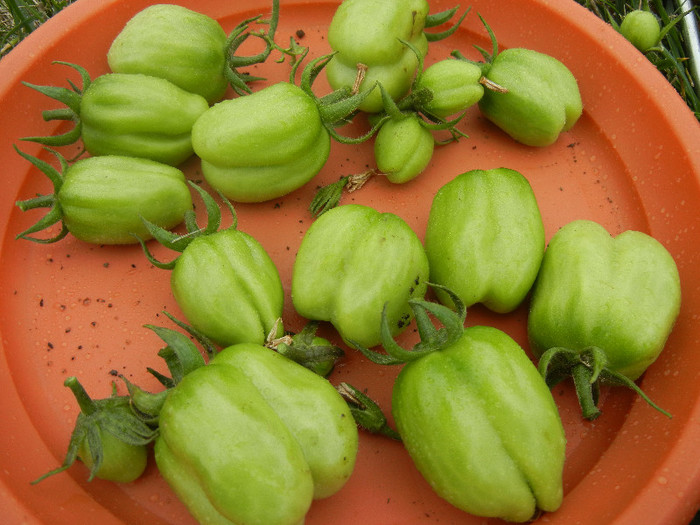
631	162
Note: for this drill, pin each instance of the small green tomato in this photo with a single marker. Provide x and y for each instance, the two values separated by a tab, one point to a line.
642	29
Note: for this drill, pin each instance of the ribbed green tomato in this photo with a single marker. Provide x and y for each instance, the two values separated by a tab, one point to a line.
252	438
403	148
352	262
538	96
140	116
485	238
454	86
369	32
178	44
482	427
132	115
603	305
103	200
228	287
262	146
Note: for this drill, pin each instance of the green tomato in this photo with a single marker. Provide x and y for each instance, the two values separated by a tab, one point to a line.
476	417
228	287
306	348
485	238
262	146
175	43
482	427
369	32
132	115
403	148
102	200
121	462
253	438
140	116
224	281
353	261
541	97
109	438
454	87
641	28
609	299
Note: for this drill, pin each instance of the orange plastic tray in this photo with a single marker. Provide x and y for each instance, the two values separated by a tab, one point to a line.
631	162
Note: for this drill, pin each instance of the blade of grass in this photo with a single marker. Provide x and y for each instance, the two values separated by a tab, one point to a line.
19	18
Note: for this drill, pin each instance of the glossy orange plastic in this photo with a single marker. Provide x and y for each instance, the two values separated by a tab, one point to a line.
631	162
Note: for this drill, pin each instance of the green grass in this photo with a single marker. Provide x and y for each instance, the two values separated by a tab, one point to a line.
671	56
18	18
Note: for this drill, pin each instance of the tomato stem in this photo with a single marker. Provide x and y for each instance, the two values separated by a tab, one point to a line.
582	375
366	412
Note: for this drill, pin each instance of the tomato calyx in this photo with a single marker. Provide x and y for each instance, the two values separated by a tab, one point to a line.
110	415
180	242
588	369
239	81
336	108
307	349
181	357
442	17
71	97
328	197
489	57
432	339
366	412
55	213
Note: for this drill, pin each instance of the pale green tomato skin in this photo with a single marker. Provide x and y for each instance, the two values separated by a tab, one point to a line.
253	438
103	199
329	439
641	28
351	261
542	98
368	32
454	85
141	116
178	44
121	463
482	427
403	149
485	239
228	456
262	146
621	294
228	287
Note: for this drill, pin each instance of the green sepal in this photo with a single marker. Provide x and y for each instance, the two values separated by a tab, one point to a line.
441	18
55	213
178	242
146	405
112	415
366	412
432	339
181	355
336	108
72	99
237	80
589	370
328	197
207	344
310	351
